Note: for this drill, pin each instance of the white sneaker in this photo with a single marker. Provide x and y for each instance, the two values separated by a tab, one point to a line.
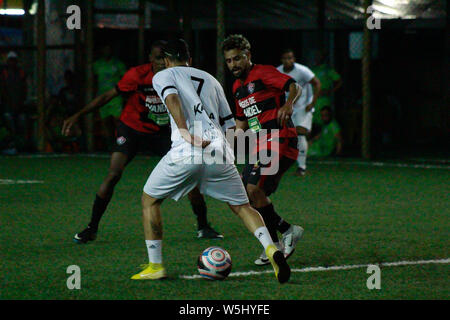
263	260
290	238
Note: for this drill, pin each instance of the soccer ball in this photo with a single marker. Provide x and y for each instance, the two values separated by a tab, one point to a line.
214	263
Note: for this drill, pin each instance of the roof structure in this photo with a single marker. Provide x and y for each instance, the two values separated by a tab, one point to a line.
302	14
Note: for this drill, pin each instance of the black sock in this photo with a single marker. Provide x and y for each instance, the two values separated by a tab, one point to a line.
281	225
271	221
98	209
200	211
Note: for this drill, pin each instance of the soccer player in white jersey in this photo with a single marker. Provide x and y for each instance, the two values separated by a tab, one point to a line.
304	106
193	98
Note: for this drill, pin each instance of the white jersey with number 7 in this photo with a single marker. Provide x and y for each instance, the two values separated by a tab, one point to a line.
202	98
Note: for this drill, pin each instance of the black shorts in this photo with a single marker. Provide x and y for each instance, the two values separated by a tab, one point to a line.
269	183
130	141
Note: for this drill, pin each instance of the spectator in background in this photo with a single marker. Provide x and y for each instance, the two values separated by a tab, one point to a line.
62	106
53	127
13	93
304	106
108	71
330	82
329	141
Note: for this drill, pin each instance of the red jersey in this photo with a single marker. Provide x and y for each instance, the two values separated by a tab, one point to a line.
144	111
258	99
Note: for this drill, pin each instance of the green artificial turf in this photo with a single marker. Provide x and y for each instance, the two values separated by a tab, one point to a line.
352	214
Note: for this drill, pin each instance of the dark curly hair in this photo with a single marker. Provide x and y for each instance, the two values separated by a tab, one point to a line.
236	41
287	50
177	50
159	44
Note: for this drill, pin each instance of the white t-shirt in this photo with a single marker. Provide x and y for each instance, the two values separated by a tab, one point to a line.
203	102
303	75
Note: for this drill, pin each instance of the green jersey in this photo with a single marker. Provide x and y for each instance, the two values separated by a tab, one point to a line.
109	72
326	144
327	77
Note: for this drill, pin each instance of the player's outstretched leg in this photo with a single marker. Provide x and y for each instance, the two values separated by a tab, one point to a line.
118	163
255	224
154	270
272	220
204	230
302	146
259	192
301	160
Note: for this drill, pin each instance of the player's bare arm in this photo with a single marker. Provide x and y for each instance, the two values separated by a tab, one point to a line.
313	139
173	104
336	85
315	82
95	104
285	112
241	125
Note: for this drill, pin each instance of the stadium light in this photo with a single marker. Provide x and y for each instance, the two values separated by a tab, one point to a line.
33	9
12	12
394	3
387	10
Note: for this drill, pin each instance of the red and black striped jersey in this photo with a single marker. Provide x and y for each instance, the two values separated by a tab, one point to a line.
144	110
260	96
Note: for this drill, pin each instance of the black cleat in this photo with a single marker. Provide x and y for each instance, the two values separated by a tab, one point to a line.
85	236
208	233
284	272
279	264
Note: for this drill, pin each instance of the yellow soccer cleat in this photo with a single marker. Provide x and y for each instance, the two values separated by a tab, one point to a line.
152	271
279	264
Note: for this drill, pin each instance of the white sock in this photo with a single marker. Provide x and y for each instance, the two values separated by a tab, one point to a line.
303	150
154	249
263	236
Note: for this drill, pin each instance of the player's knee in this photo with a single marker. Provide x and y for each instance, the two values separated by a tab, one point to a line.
254	193
148	202
234	209
114	174
238	209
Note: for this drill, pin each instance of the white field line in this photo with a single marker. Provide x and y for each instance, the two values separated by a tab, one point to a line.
443	161
39	156
332	268
9	181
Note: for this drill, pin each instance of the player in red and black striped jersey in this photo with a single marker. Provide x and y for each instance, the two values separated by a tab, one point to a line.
259	93
143	125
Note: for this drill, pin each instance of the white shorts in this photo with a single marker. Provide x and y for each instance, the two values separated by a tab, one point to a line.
301	118
175	179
